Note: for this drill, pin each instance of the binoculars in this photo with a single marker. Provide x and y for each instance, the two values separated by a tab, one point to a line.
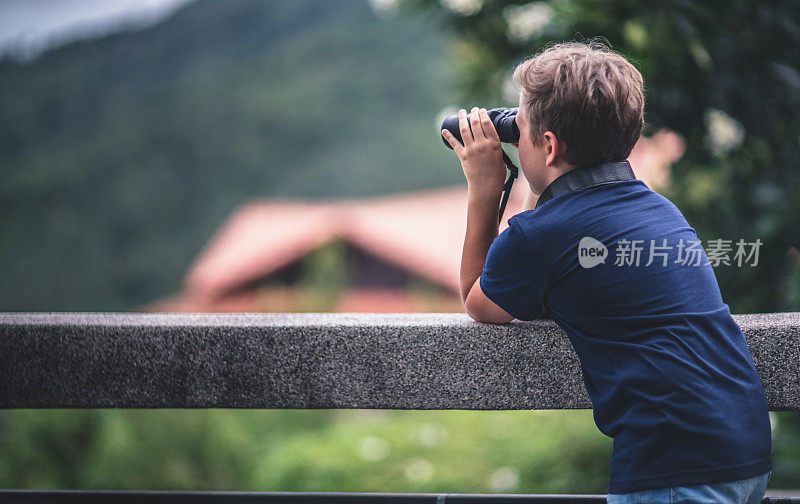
505	123
504	120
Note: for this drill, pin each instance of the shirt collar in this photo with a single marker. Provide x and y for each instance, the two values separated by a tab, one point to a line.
585	176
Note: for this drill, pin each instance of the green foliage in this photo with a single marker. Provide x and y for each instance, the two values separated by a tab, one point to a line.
325	270
785	449
294	450
122	156
324	450
725	75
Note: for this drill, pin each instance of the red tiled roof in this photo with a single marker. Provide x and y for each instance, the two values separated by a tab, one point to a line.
422	232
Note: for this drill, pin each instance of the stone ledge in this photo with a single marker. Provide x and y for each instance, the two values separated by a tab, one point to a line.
376	361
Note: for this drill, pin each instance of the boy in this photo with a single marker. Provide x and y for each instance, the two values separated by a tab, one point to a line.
668	370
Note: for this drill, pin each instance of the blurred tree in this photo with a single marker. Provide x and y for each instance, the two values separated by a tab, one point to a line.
722	74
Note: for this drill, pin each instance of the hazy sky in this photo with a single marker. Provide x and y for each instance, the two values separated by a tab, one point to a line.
32	25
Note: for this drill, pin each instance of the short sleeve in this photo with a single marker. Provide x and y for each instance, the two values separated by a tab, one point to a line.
512	276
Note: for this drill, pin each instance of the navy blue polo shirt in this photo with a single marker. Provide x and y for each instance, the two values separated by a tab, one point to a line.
667	369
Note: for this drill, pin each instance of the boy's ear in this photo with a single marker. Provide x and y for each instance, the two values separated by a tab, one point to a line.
554	148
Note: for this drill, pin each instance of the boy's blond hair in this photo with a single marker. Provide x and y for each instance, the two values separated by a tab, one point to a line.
589	96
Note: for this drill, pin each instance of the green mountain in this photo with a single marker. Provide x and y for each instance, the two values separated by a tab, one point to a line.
121	156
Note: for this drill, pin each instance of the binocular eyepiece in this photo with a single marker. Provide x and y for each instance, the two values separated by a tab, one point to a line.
504	120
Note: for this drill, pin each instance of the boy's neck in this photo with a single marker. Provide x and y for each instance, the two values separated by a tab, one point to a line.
552	172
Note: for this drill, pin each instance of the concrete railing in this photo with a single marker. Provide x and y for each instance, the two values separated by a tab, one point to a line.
431	361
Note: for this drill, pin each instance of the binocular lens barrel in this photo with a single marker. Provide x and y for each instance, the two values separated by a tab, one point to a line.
504	120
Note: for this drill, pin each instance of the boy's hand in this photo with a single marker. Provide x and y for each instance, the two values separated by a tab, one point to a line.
481	155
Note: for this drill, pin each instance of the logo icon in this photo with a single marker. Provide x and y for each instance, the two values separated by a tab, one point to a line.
591	252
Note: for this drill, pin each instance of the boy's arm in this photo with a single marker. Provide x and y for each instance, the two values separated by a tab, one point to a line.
482	162
482	212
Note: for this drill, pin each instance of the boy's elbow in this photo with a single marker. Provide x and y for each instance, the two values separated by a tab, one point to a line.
483	309
487	316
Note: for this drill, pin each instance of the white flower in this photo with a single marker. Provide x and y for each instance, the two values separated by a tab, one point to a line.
527	21
504	479
374	448
463	7
724	132
430	434
419	470
384	7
